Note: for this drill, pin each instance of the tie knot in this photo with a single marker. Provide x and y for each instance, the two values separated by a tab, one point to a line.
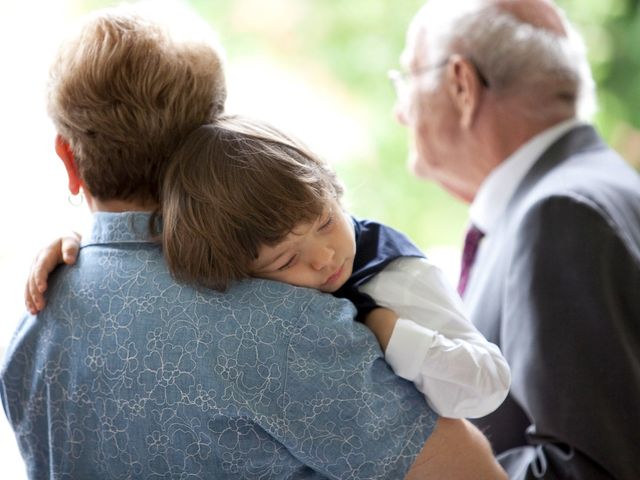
472	240
471	243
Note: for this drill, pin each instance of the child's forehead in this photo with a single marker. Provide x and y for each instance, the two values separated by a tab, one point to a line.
296	235
300	229
269	253
304	226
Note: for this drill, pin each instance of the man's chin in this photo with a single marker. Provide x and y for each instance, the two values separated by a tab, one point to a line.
418	167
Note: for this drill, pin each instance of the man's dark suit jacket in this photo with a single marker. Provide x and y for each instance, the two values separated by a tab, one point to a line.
557	287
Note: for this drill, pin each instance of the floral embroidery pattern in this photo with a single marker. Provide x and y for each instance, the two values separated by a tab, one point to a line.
129	375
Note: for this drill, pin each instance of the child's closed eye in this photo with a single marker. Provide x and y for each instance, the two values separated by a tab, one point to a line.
328	222
287	265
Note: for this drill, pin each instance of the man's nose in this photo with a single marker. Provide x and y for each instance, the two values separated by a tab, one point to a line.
322	256
400	112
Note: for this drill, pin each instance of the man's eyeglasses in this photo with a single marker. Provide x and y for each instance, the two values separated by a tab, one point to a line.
400	80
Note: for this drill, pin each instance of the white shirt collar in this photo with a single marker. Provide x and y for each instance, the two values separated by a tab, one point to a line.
499	186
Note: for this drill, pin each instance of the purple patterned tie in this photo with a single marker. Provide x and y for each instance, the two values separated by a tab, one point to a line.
471	242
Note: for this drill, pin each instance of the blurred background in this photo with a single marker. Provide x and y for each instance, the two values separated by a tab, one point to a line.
317	68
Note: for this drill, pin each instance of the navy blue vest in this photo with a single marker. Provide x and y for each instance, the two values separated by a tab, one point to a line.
377	245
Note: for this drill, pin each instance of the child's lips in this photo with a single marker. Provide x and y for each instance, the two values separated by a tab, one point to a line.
335	276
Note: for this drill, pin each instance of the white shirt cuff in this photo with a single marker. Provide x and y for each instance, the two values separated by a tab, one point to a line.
408	347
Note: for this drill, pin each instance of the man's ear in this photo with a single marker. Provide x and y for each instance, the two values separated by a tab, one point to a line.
66	155
465	88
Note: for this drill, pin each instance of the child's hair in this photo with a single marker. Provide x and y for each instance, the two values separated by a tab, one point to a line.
232	186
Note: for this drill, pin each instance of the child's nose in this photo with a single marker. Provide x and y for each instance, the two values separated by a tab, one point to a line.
322	257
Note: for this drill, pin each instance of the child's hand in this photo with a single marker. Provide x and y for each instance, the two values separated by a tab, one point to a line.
63	250
381	321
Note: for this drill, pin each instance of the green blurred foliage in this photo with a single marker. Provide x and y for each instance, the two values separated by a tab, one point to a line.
357	41
611	30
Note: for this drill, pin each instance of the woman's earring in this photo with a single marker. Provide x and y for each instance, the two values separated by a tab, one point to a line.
76	200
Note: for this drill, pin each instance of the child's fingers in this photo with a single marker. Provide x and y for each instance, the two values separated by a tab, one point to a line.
34	298
46	261
28	299
62	250
70	248
42	266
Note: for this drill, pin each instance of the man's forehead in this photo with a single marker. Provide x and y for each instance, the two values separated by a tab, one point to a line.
414	44
435	20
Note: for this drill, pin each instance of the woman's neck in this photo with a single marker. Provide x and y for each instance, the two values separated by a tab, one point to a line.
115	206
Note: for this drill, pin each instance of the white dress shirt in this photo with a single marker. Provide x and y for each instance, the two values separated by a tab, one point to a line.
433	344
497	189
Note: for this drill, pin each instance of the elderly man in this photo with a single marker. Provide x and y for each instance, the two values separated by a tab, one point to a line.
128	374
493	94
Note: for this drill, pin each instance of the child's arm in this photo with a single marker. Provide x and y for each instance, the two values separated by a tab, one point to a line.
381	321
434	345
62	250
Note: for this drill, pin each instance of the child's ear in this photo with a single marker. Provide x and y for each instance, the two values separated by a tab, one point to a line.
66	155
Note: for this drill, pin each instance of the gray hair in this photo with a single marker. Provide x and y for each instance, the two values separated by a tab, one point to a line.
515	57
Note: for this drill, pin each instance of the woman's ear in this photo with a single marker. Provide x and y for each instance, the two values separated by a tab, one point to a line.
66	155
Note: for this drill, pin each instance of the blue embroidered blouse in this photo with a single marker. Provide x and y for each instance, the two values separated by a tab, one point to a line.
127	374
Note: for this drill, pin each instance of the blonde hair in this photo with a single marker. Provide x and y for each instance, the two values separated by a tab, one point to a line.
231	187
124	91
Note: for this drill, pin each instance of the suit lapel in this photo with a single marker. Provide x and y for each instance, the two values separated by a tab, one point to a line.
578	140
484	293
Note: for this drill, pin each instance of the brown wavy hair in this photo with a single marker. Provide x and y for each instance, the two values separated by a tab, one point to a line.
125	90
232	186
